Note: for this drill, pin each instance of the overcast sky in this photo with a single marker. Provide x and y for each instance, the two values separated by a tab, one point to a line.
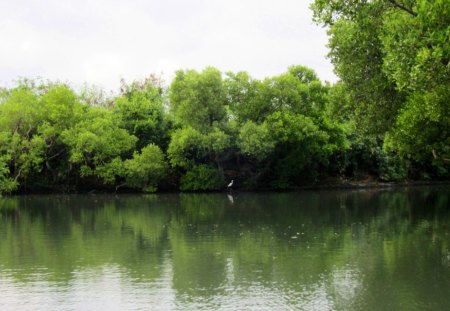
101	41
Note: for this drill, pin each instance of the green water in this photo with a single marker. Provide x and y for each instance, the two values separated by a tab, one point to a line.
333	250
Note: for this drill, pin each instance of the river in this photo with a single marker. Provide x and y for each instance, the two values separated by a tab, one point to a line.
311	250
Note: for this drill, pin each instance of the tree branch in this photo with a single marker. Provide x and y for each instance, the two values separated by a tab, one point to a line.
18	175
436	157
404	8
57	154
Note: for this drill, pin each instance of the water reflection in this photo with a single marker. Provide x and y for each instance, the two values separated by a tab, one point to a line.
339	250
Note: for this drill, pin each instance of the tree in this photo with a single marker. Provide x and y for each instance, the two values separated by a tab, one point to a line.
198	104
393	57
198	99
146	169
142	113
418	60
32	118
291	133
255	140
300	144
97	144
244	97
356	53
186	147
7	184
202	177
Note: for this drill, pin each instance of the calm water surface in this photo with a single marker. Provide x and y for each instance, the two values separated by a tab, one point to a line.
333	250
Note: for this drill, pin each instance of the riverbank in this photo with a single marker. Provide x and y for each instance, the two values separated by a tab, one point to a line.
362	184
330	184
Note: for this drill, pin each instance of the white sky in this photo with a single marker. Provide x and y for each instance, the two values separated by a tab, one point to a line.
100	41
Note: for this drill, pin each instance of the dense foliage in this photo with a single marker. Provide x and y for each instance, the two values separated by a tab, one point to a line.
387	118
393	58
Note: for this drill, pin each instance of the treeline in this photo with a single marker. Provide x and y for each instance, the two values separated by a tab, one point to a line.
387	118
204	130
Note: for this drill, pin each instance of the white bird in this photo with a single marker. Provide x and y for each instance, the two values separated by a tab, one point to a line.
230	184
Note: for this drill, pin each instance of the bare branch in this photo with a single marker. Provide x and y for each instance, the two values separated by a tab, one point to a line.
18	175
436	157
57	154
404	8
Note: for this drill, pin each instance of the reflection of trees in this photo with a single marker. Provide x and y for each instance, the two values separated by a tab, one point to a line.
65	233
355	247
353	242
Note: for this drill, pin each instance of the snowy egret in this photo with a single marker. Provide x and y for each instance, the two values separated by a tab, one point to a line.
230	184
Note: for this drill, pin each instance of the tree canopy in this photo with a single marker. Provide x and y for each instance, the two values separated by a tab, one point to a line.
388	117
393	58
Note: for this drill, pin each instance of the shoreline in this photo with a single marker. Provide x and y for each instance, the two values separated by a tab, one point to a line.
343	185
373	185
